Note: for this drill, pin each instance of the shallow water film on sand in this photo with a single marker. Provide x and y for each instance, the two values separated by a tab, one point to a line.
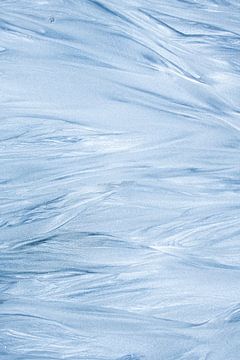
119	180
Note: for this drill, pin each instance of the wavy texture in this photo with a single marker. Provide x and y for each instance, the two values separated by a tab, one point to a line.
119	180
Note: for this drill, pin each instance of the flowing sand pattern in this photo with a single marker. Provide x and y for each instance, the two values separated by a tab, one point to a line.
120	180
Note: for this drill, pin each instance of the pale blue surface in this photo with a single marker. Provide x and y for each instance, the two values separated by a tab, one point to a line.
119	176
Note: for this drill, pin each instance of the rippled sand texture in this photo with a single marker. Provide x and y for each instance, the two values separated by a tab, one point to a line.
119	176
